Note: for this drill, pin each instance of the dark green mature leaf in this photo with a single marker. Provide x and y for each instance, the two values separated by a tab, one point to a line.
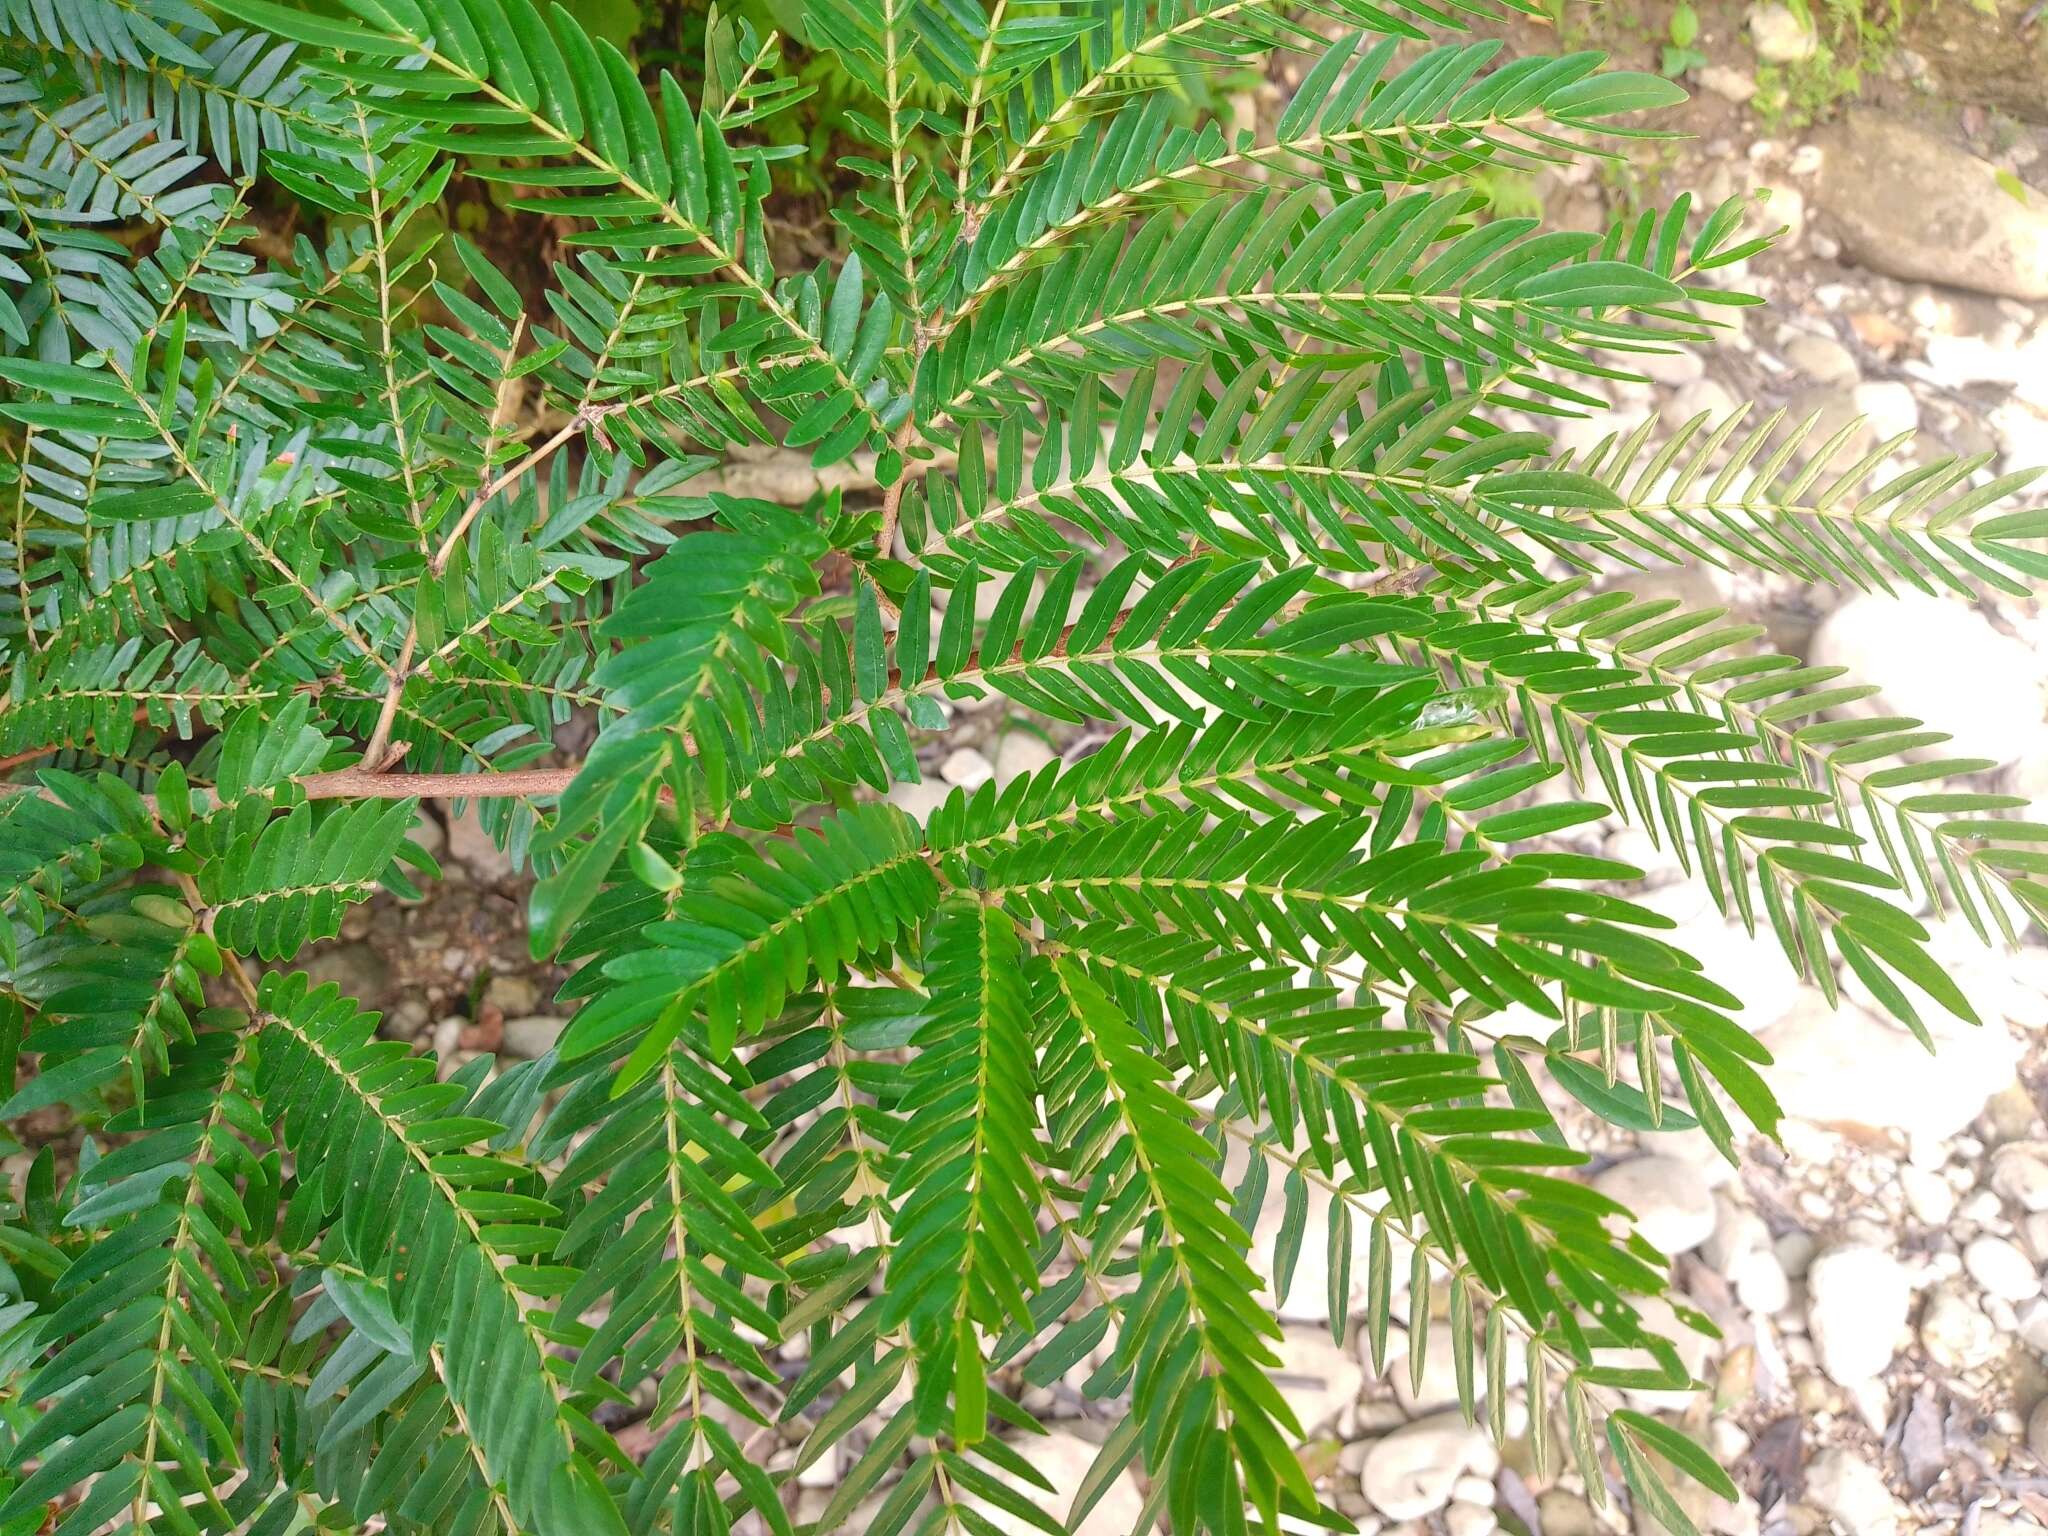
1212	459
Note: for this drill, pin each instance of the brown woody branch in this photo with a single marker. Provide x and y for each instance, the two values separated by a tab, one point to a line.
364	782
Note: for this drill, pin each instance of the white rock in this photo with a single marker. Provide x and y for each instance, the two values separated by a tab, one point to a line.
1472	1489
1854	1492
967	768
1412	1472
1759	1279
1939	661
1737	1230
919	800
1928	1195
1674	1209
1439	1388
1784	207
1020	752
1670	369
1889	405
1308	1292
2019	1172
2022	434
2032	1319
1955	1331
1847	1067
1991	1523
2001	1268
532	1036
1779	36
1708	395
447	1036
1911	204
476	848
1694	1350
1064	1459
1463	1519
1959	361
1734	85
2034	1236
1696	1150
1318	1376
1684	901
1999	985
1855	1307
2037	1430
1819	357
1753	968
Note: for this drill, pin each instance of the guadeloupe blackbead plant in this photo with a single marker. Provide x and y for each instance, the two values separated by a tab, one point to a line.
1227	443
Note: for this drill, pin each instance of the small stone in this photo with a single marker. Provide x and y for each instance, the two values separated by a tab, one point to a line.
2002	1269
1673	1208
1857	1298
1958	362
2037	1431
1729	83
448	1034
1980	1209
1759	1279
1473	1490
1737	1231
1928	1195
1439	1388
1779	36
1879	332
1308	1289
1708	396
406	1019
2011	1113
967	768
1752	967
1411	1472
1463	1519
360	970
919	800
1847	1067
1955	1332
2022	435
1832	408
1784	207
1064	1459
1564	1513
1821	358
476	848
427	832
1889	405
2019	1172
1692	1347
1671	369
1843	1485
532	1036
1021	752
511	995
1318	1376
